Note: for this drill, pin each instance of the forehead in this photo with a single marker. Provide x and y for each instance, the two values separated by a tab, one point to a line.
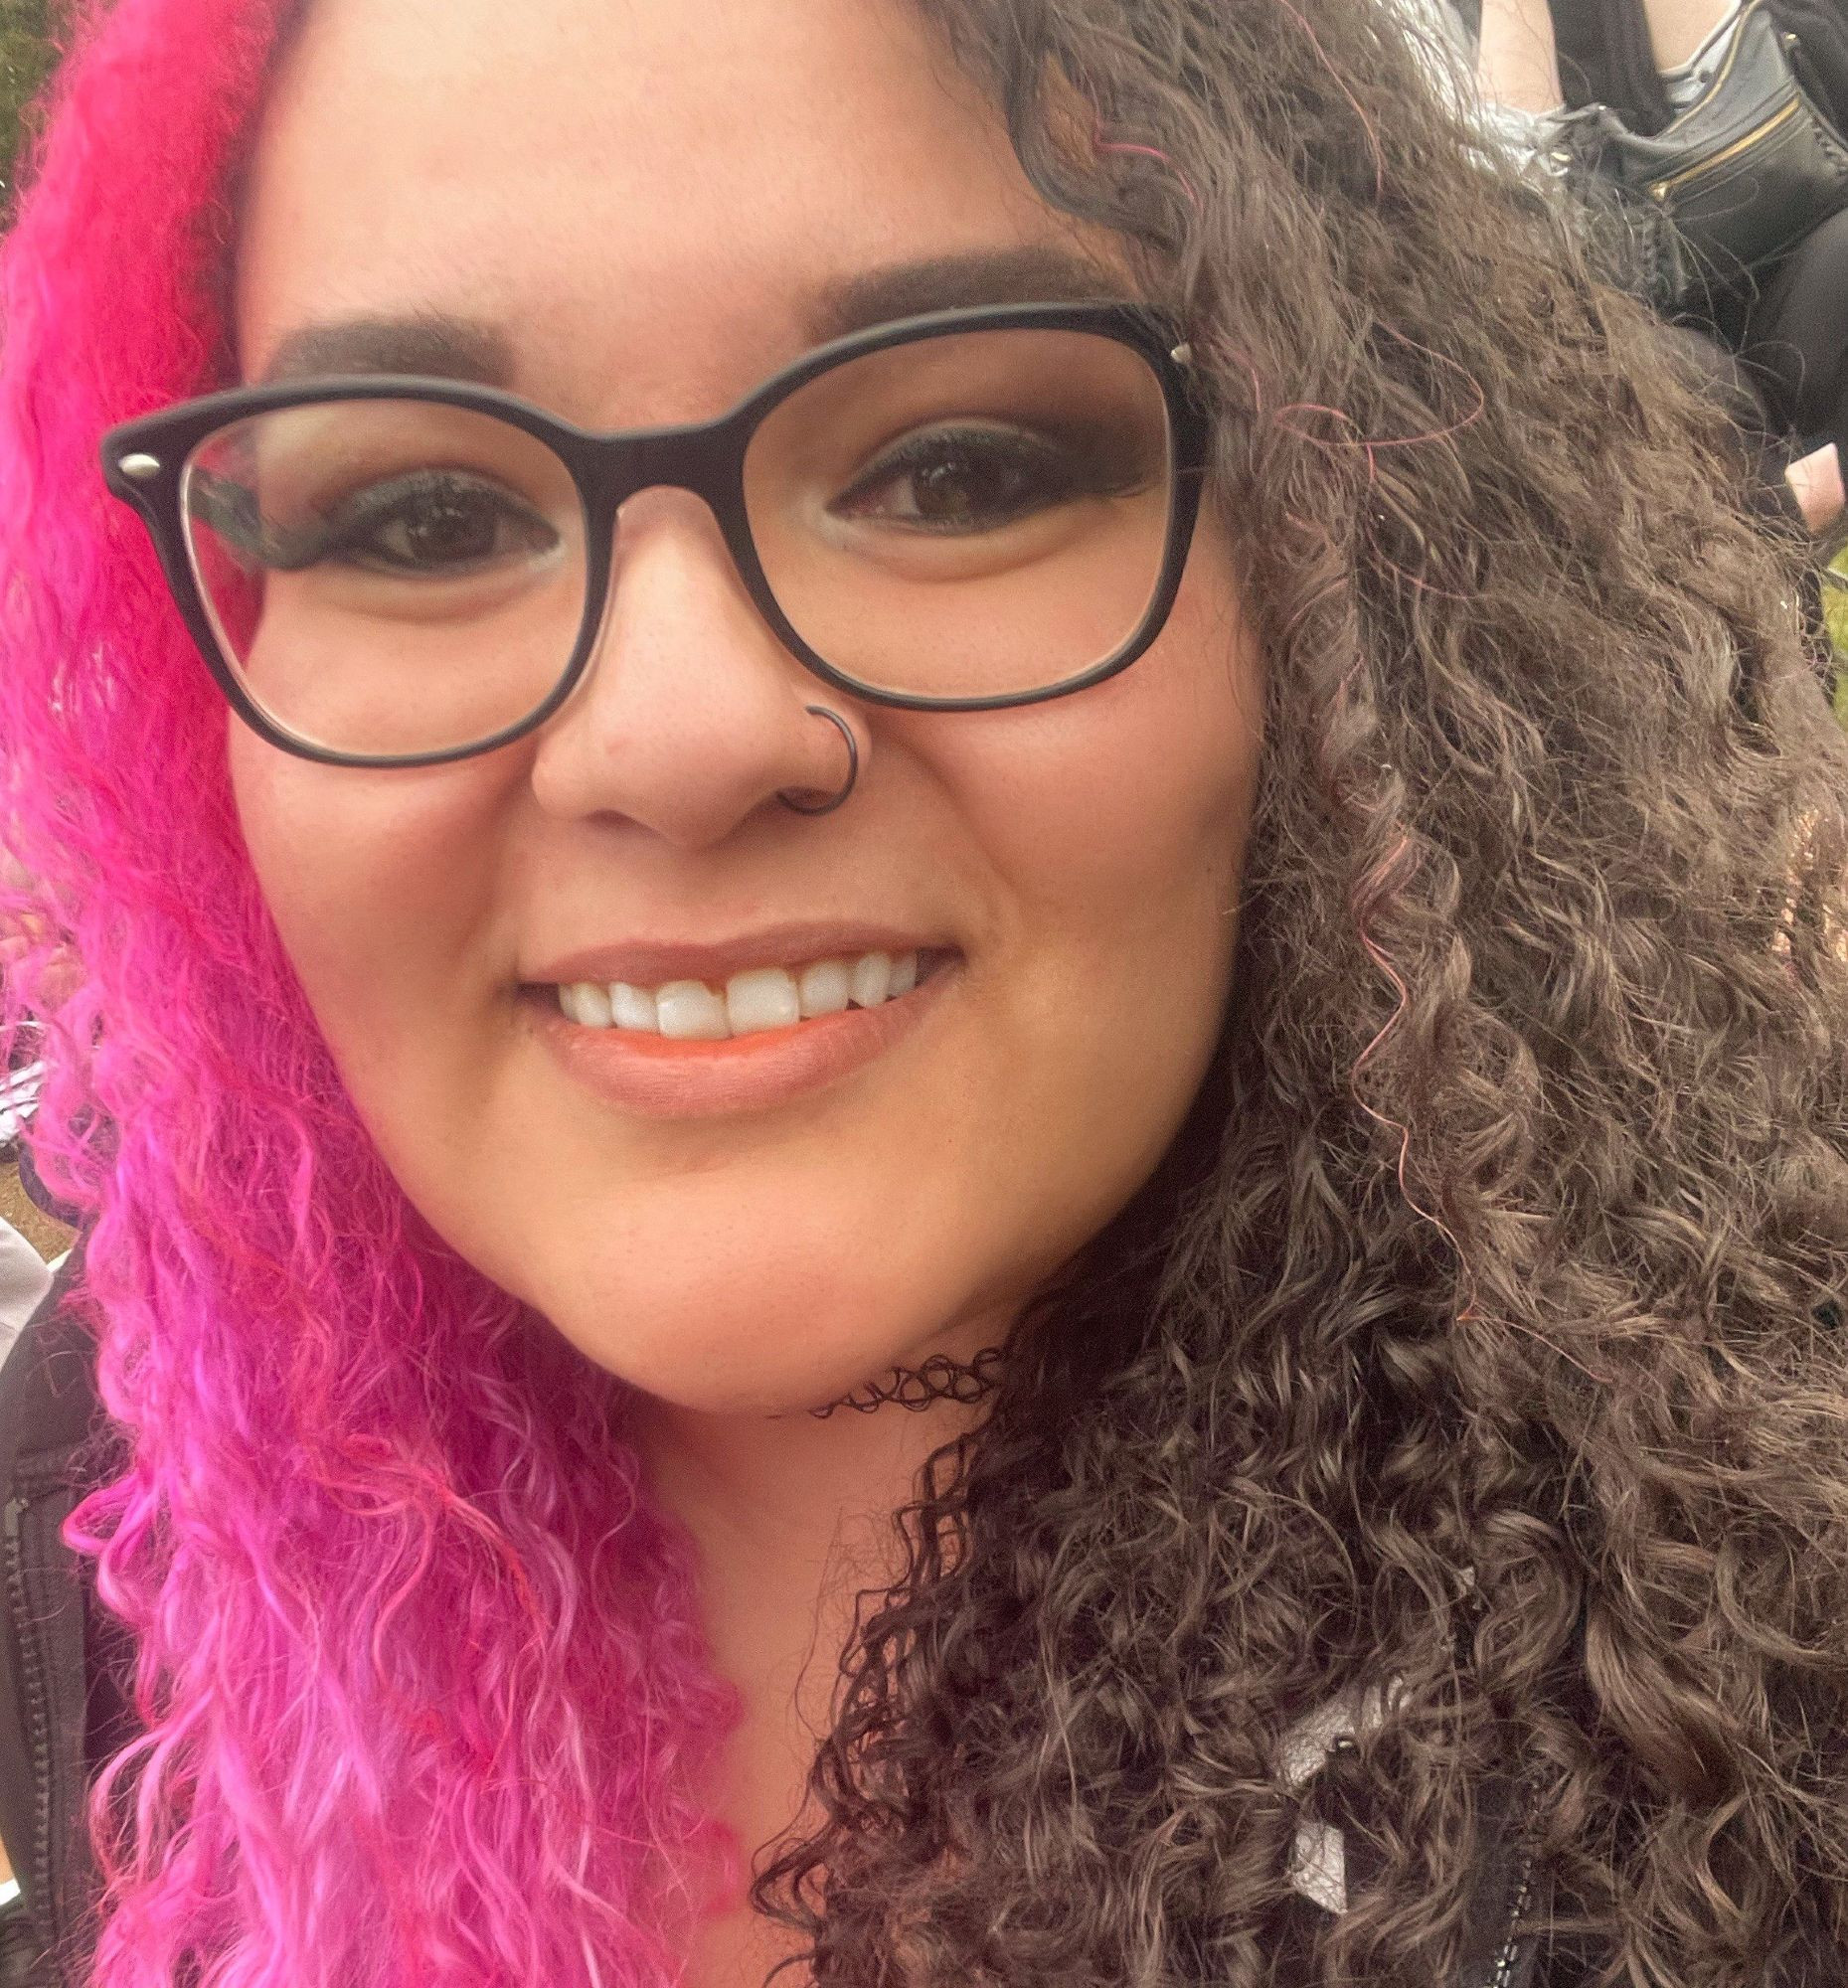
626	192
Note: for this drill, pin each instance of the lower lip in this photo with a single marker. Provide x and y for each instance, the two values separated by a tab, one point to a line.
655	1077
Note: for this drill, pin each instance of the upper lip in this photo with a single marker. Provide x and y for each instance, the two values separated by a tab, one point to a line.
653	962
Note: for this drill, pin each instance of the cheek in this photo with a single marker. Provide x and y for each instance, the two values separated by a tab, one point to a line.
381	888
1111	828
1119	815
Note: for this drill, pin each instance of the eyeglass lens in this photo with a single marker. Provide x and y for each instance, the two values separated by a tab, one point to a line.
975	514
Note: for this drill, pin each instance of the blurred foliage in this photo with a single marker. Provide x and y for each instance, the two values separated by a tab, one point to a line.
1835	614
25	57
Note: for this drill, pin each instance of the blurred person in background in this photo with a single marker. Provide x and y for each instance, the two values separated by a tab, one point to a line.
1709	131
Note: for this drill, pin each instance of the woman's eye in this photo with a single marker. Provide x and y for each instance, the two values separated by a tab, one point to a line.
964	480
434	526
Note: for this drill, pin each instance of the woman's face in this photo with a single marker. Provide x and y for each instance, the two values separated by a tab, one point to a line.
646	208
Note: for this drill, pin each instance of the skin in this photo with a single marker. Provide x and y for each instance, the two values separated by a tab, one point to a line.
644	199
1517	64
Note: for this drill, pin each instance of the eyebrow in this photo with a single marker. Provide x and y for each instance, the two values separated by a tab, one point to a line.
427	343
436	345
1033	274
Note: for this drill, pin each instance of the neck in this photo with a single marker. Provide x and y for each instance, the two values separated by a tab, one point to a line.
815	1487
791	1517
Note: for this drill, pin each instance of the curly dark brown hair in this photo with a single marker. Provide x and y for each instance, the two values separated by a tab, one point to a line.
1478	1330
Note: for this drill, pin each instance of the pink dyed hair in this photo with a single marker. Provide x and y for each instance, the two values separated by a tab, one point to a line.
423	1696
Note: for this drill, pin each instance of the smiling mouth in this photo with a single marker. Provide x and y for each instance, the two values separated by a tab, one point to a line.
717	1073
758	1001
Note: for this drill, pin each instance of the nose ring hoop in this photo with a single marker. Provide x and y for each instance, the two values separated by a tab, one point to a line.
853	766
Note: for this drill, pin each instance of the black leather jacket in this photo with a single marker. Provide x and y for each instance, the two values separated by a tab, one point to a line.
63	1713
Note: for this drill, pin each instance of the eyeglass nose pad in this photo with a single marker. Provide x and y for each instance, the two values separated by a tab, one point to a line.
598	635
604	534
610	538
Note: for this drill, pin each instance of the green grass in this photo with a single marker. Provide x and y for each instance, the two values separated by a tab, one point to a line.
1835	615
25	57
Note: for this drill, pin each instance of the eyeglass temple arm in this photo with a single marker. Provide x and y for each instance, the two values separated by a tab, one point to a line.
231	509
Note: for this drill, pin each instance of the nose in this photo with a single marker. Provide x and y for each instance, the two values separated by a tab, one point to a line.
691	713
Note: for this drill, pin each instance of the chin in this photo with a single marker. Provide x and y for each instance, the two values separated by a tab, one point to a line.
743	1391
726	1316
767	1358
748	1400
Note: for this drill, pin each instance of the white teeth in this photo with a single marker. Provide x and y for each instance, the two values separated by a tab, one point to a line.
633	1007
690	1012
763	998
872	979
824	988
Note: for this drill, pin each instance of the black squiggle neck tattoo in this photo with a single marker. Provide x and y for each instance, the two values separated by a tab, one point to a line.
939	1379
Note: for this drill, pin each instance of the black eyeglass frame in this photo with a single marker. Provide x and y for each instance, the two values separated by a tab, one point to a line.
144	463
